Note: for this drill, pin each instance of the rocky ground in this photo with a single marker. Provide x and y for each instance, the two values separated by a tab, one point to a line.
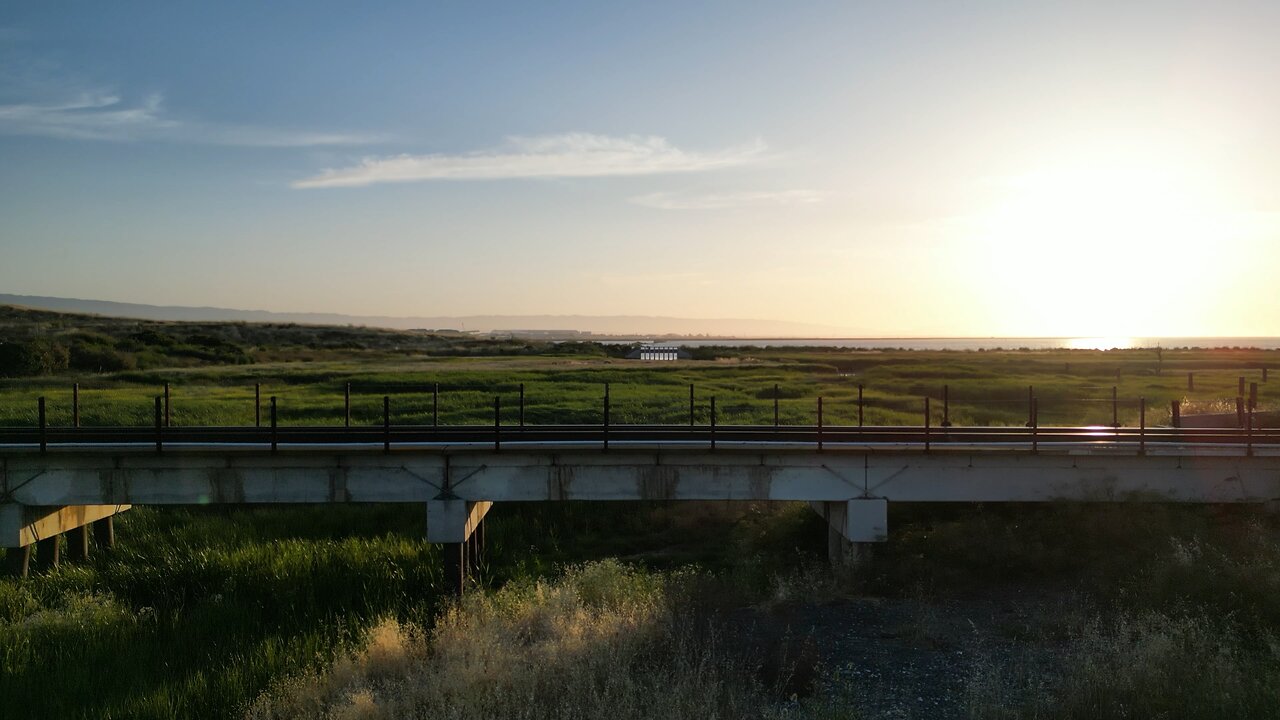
954	657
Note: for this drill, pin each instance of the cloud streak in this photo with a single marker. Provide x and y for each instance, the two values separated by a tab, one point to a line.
551	156
722	201
105	116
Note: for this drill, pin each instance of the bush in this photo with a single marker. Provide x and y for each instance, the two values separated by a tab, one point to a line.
31	357
98	358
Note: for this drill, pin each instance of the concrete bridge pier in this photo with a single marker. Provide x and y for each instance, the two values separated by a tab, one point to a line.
853	528
17	561
104	532
454	523
49	552
78	540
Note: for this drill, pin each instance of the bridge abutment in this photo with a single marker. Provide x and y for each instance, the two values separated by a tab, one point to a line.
458	526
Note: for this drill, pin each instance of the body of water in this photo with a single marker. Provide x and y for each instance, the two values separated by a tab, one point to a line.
994	343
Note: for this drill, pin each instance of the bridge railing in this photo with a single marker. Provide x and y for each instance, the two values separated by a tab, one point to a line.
855	414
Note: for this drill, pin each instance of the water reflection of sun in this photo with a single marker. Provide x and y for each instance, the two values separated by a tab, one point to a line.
1101	343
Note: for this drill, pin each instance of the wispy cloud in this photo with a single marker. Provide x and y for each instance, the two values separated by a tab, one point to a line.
721	201
551	156
103	115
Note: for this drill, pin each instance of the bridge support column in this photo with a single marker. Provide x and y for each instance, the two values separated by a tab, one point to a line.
78	543
453	523
852	527
17	561
49	552
104	532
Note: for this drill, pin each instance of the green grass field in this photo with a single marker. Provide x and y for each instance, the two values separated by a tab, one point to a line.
990	388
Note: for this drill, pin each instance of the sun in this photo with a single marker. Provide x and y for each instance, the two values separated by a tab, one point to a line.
1098	245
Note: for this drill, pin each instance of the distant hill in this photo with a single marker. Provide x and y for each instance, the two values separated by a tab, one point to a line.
544	325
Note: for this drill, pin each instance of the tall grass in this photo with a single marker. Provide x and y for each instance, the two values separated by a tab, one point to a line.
198	609
1184	622
602	641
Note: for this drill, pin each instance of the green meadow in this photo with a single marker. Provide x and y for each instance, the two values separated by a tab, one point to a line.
983	388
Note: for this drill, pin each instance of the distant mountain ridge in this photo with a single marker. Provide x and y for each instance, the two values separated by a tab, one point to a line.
632	325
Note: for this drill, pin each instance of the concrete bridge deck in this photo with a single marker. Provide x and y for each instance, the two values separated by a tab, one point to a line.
64	479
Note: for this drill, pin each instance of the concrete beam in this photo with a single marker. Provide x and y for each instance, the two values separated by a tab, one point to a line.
203	476
453	521
22	525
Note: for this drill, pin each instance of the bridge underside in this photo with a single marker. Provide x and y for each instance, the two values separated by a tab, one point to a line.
202	477
59	490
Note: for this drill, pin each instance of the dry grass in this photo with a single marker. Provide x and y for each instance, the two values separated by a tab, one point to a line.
1190	633
601	642
1141	666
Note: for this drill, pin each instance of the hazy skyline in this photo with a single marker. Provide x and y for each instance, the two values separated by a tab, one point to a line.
902	169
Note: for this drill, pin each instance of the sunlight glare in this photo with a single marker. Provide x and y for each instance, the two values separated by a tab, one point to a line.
1098	245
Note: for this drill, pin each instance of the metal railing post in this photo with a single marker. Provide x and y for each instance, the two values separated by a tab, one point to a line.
497	423
1035	425
775	406
44	439
1249	434
1175	409
1142	426
257	404
346	406
521	406
386	423
75	405
274	425
1031	394
159	418
435	405
860	405
713	422
692	413
1115	407
166	405
926	425
606	417
819	423
946	406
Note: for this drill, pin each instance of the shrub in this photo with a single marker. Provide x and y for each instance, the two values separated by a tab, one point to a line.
25	358
98	358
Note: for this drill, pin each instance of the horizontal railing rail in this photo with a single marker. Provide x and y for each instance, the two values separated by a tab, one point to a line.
941	422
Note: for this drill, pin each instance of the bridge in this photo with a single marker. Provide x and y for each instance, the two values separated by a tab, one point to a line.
56	480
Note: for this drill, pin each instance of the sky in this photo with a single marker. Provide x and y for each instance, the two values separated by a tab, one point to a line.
885	168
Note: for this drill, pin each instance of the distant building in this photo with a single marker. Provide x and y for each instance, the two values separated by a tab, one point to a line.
659	352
